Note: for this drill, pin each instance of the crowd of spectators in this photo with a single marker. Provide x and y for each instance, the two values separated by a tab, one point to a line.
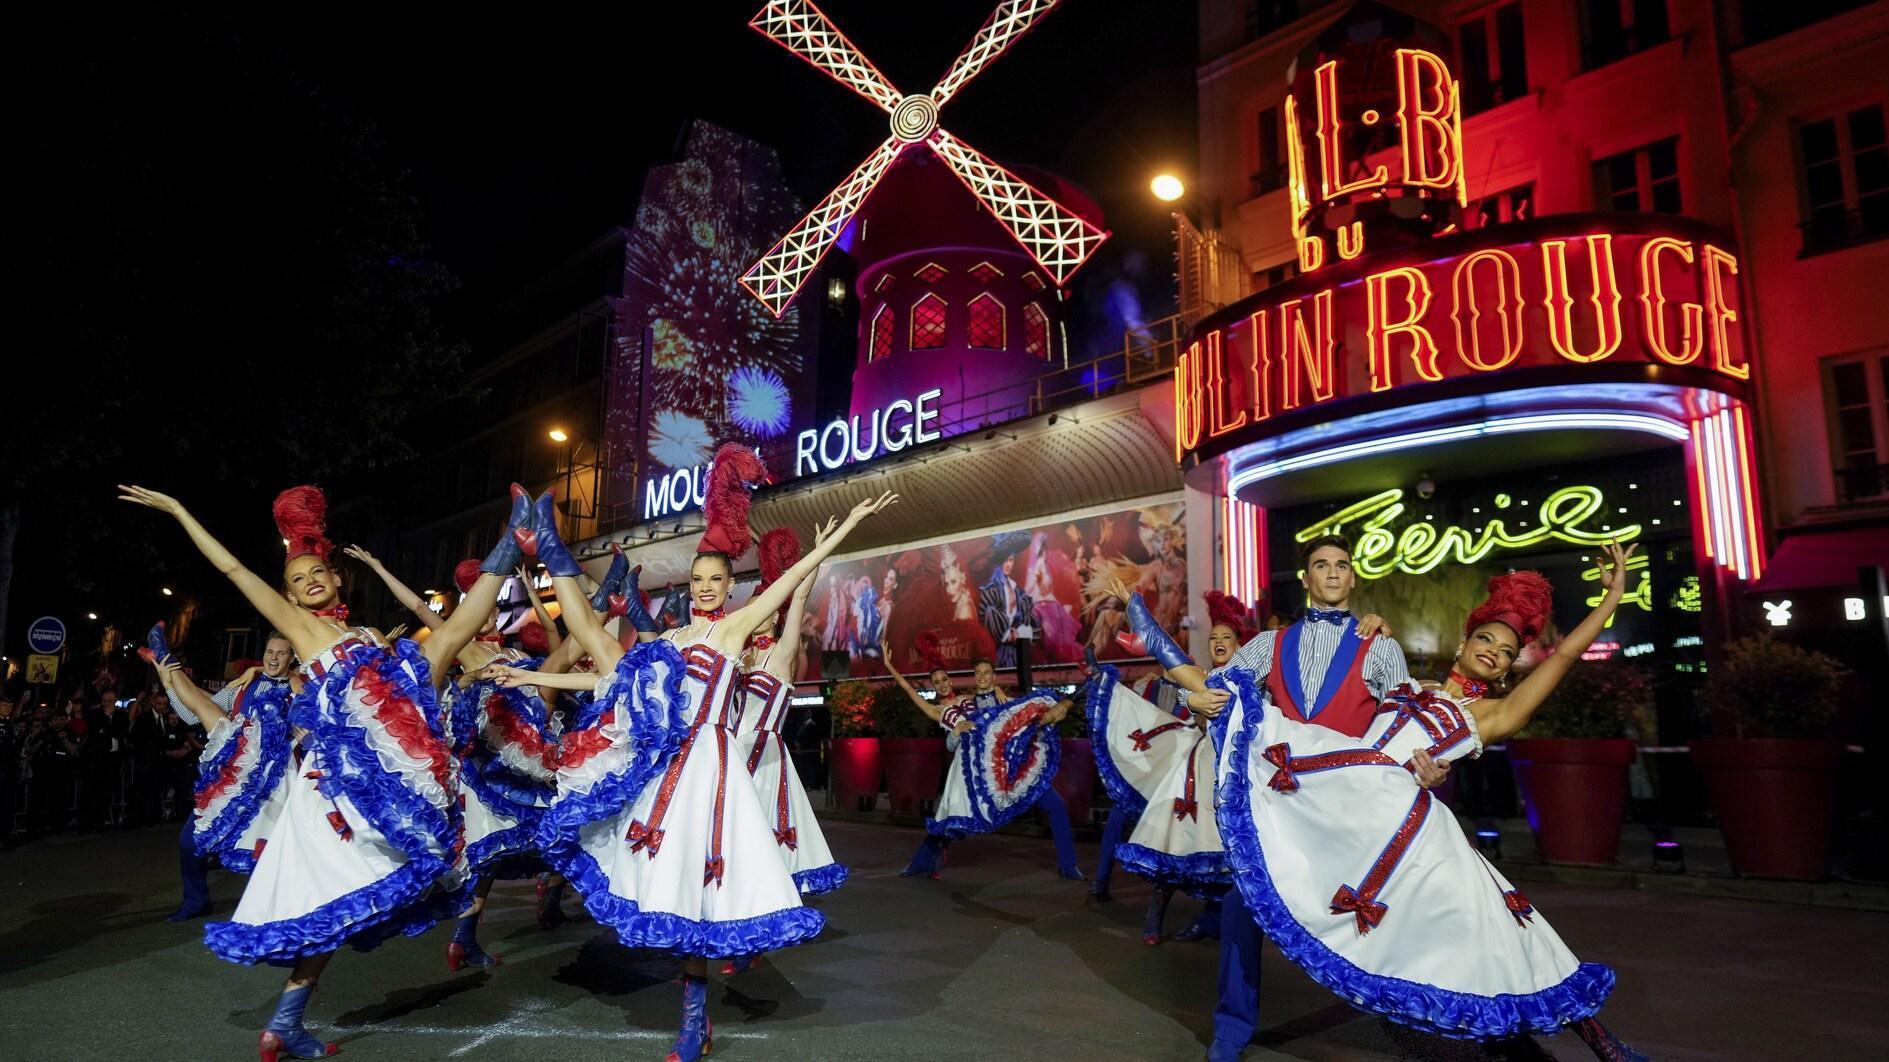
95	760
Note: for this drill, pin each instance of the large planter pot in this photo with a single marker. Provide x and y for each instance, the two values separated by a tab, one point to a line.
855	773
1575	790
1075	778
914	771
1774	799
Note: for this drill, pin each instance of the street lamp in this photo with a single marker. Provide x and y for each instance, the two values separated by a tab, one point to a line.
91	615
559	435
1167	187
167	591
573	443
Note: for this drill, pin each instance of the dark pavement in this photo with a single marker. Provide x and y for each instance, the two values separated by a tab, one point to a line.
1000	960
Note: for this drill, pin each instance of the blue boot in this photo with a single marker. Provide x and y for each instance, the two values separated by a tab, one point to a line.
1157	914
612	583
1206	927
925	861
741	964
285	1037
697	1035
541	539
464	950
507	553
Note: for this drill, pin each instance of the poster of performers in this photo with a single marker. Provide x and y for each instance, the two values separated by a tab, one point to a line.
976	594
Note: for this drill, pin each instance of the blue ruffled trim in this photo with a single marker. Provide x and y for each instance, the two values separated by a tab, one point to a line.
484	854
409	821
1460	1015
985	814
270	710
655	732
820	879
1197	873
955	827
1099	695
368	915
720	940
506	791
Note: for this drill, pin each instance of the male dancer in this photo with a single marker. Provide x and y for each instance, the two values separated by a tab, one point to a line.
278	659
951	712
1319	670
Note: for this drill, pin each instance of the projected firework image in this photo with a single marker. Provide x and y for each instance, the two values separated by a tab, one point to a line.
698	361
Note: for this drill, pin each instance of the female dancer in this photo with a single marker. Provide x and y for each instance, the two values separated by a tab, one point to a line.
767	681
1355	875
645	824
1162	768
1006	757
366	845
507	751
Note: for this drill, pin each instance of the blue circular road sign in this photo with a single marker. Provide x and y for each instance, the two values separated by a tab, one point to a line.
46	635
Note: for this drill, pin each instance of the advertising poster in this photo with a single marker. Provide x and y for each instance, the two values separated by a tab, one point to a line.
973	593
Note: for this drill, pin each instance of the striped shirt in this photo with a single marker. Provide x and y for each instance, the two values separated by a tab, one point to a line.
225	698
1384	667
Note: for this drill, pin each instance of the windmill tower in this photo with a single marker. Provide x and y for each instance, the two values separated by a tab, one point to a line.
961	259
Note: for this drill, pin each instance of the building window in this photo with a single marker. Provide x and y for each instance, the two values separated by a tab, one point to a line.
1614	29
1845	178
984	272
1857	394
930	272
1035	331
986	330
1646	178
883	284
881	343
1277	275
1269	169
1500	208
928	324
1492	58
1032	281
1761	20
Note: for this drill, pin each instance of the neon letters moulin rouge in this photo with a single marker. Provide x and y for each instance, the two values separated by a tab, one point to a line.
1491	302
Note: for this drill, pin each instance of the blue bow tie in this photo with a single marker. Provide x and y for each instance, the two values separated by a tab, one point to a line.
1327	615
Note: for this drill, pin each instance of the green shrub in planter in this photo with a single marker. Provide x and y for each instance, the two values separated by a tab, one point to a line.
895	716
1773	689
1597	699
850	703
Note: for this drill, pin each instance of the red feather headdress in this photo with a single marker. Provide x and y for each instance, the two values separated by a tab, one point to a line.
735	473
780	550
301	515
1225	608
532	640
1519	600
465	573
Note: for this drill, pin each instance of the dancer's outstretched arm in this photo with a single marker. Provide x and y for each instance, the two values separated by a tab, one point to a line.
1498	718
403	593
189	694
934	712
513	677
784	660
741	623
306	632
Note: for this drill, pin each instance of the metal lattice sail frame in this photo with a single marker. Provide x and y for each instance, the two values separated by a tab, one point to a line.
1057	238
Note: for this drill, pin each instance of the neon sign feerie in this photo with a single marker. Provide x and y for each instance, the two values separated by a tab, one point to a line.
1379	547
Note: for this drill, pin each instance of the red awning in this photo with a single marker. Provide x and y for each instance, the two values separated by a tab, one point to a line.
1825	558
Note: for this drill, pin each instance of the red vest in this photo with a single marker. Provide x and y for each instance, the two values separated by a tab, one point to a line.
1349	711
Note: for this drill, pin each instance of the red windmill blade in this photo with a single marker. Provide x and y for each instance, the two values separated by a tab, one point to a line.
1057	238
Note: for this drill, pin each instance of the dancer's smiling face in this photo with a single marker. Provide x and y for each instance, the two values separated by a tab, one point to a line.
310	582
941	681
1222	641
1329	579
1489	652
710	579
985	675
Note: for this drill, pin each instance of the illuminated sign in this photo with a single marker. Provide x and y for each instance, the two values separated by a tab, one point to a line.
900	423
1419	547
1641	594
678	491
1777	613
1496	305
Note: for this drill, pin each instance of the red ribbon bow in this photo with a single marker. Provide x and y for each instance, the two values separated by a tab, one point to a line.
340	824
712	870
1369	912
1280	756
1143	738
641	836
1518	905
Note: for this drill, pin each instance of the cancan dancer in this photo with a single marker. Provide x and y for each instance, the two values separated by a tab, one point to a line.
646	825
1382	898
768	683
1002	766
368	842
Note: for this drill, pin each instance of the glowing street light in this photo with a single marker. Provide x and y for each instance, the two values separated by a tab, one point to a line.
167	591
559	435
1167	188
91	615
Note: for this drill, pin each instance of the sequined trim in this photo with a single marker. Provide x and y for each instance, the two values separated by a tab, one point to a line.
1362	902
1144	738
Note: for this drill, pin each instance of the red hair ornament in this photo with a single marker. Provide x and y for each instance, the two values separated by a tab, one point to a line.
1520	601
730	483
301	515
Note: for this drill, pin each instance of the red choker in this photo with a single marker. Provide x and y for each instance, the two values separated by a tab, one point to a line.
339	611
1473	689
711	614
498	639
761	641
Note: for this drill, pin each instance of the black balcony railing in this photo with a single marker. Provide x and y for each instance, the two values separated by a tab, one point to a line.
1833	230
1267	180
1858	482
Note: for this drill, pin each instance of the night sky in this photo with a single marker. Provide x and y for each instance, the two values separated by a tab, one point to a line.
526	137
